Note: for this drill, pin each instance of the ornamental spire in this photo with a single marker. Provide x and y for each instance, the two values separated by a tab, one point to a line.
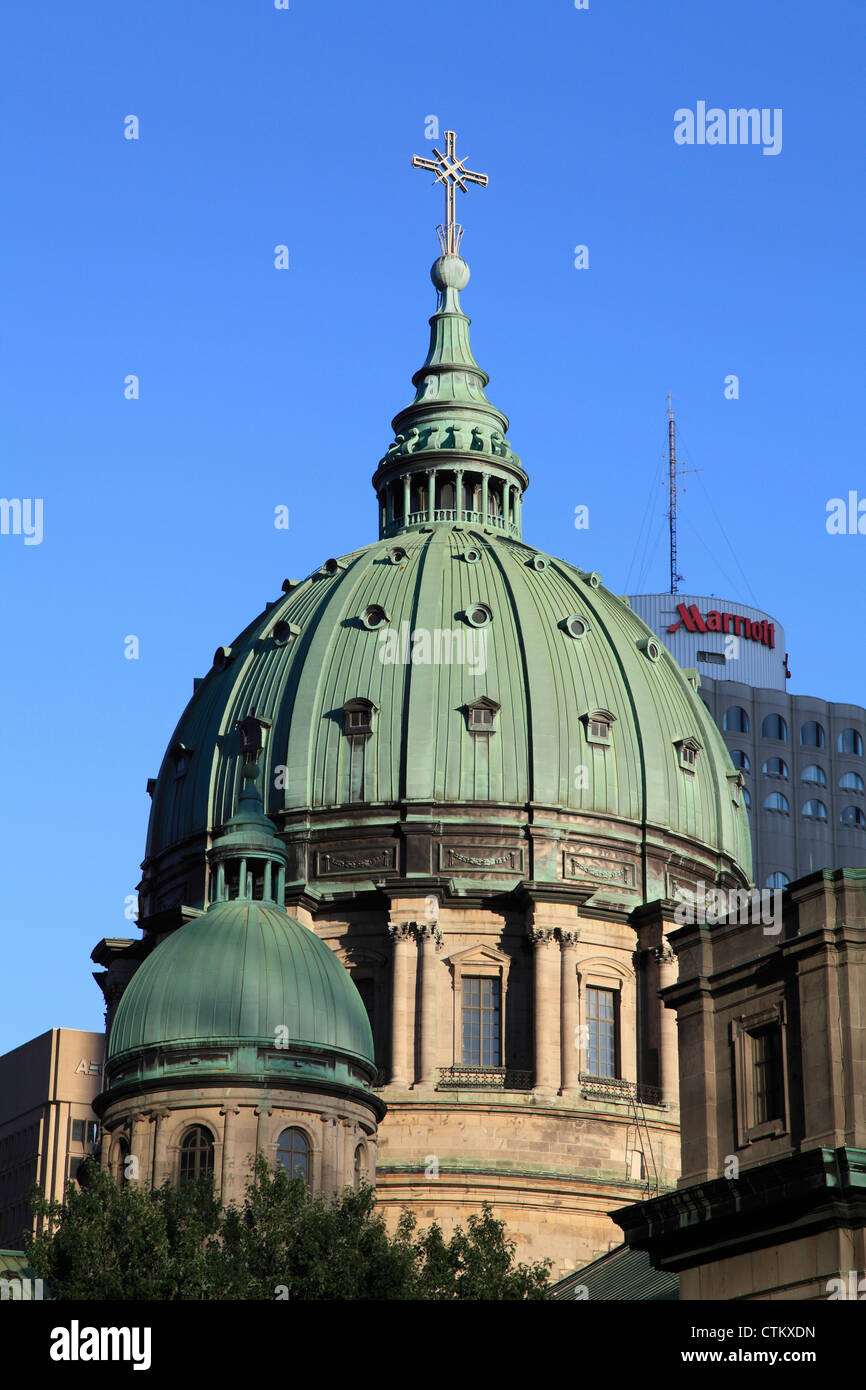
450	171
450	461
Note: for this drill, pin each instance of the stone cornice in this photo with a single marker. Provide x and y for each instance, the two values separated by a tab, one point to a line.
770	1204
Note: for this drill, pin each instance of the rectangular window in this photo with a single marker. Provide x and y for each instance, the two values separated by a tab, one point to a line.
601	1057
84	1131
481	1021
713	658
767	1080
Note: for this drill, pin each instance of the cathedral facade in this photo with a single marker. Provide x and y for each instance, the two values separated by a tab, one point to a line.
482	782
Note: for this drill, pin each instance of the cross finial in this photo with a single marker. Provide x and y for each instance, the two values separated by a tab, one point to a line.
450	171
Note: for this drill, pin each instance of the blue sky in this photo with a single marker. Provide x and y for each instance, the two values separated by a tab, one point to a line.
260	387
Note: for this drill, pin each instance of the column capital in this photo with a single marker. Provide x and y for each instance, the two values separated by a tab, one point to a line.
428	931
542	936
665	953
402	931
568	939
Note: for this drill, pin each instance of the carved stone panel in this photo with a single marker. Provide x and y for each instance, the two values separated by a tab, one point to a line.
355	861
592	868
480	859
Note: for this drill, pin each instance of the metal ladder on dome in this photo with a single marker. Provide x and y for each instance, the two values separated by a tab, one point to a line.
639	1114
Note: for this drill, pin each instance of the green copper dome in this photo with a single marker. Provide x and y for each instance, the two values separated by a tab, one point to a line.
445	682
243	974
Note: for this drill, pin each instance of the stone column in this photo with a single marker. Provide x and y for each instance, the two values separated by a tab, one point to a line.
506	505
431	493
568	1011
518	511
137	1147
669	1066
230	1114
156	1177
430	940
406	503
458	494
546	1010
485	482
263	1114
402	1030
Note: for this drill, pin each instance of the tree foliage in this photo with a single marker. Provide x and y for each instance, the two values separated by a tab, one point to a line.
131	1242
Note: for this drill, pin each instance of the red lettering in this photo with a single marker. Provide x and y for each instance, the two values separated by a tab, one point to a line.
771	634
726	618
690	617
738	624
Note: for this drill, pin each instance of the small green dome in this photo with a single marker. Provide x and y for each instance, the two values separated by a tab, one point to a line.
244	972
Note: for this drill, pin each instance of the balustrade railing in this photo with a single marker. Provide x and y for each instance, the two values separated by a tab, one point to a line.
614	1088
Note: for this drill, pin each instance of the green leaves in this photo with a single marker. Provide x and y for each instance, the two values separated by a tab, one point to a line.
130	1243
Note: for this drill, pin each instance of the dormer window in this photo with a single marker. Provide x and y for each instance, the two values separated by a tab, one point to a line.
180	756
599	726
358	718
687	751
481	715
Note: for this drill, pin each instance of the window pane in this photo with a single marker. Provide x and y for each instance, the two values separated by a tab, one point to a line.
601	1029
481	1021
293	1153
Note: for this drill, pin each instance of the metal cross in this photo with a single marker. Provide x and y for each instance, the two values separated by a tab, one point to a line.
450	171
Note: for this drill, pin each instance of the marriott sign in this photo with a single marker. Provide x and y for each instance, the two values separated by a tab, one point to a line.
714	621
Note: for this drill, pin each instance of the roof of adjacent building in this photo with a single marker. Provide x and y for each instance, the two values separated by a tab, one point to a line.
620	1275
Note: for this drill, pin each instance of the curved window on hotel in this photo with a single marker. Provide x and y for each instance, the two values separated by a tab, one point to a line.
777	880
815	810
812	735
775	767
853	815
851	782
740	759
777	802
849	741
814	773
774	726
736	720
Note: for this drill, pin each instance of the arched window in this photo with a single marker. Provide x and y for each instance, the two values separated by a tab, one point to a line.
777	802
814	774
196	1155
853	815
815	810
736	720
747	798
812	735
740	759
851	782
774	726
777	880
776	767
360	1166
849	741
293	1152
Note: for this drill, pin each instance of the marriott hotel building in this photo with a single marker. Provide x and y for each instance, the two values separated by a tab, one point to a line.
802	757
